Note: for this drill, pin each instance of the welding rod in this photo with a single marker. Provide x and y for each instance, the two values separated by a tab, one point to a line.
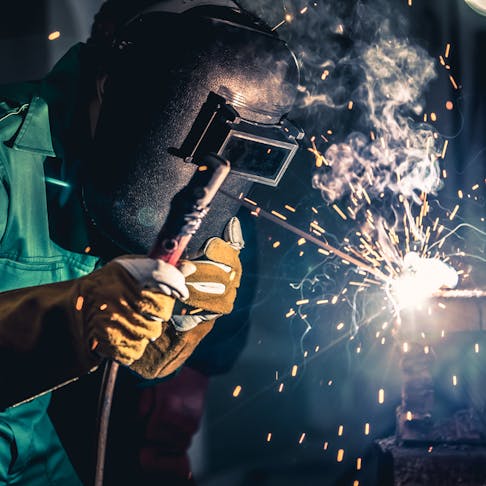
460	294
326	246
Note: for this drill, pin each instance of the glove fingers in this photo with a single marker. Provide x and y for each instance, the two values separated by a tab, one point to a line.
233	235
136	326
157	274
167	276
126	326
156	304
213	302
124	352
170	351
220	251
213	288
187	268
186	323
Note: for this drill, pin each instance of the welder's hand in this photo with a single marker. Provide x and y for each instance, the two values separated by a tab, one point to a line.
49	334
212	281
130	299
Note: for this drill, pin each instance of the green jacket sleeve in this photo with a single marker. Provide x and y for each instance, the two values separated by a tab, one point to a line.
42	342
3	201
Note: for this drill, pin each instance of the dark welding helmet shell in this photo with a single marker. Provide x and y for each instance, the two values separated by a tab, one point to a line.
162	69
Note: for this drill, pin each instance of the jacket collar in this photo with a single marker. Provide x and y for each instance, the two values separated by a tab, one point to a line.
35	132
49	120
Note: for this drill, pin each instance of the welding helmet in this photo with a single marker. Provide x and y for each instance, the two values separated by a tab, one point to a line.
184	79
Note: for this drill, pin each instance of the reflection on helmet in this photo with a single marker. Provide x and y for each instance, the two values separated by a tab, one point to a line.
163	68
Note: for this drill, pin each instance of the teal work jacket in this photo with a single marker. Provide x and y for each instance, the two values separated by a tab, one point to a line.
30	450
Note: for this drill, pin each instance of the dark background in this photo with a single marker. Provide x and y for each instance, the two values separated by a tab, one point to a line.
335	385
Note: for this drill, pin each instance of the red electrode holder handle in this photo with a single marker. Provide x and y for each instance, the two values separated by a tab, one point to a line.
186	213
188	209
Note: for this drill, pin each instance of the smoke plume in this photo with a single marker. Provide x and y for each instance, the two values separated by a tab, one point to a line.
362	96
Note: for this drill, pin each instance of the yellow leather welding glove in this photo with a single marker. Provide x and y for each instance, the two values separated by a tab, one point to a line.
212	280
134	307
53	333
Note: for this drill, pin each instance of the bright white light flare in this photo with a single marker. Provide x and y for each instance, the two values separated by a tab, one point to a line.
420	278
478	5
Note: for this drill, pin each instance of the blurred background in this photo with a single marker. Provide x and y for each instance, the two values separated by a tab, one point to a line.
304	402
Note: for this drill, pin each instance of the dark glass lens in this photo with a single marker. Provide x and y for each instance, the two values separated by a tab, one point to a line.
252	157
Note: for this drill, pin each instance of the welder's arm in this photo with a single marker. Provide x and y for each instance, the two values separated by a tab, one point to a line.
212	281
52	333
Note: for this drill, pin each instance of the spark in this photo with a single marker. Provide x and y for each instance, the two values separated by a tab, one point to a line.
454	212
79	303
269	437
317	227
420	279
237	391
339	211
444	149
294	370
381	396
54	35
281	216
367	429
453	82
447	50
340	455
320	160
249	201
302	437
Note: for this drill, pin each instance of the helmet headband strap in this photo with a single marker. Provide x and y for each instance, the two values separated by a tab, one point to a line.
181	6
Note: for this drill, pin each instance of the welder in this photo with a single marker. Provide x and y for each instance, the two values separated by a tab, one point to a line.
90	160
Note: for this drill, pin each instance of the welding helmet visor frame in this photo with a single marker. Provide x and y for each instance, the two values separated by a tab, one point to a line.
257	152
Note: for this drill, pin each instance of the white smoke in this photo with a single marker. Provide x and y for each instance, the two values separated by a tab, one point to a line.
359	51
398	154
